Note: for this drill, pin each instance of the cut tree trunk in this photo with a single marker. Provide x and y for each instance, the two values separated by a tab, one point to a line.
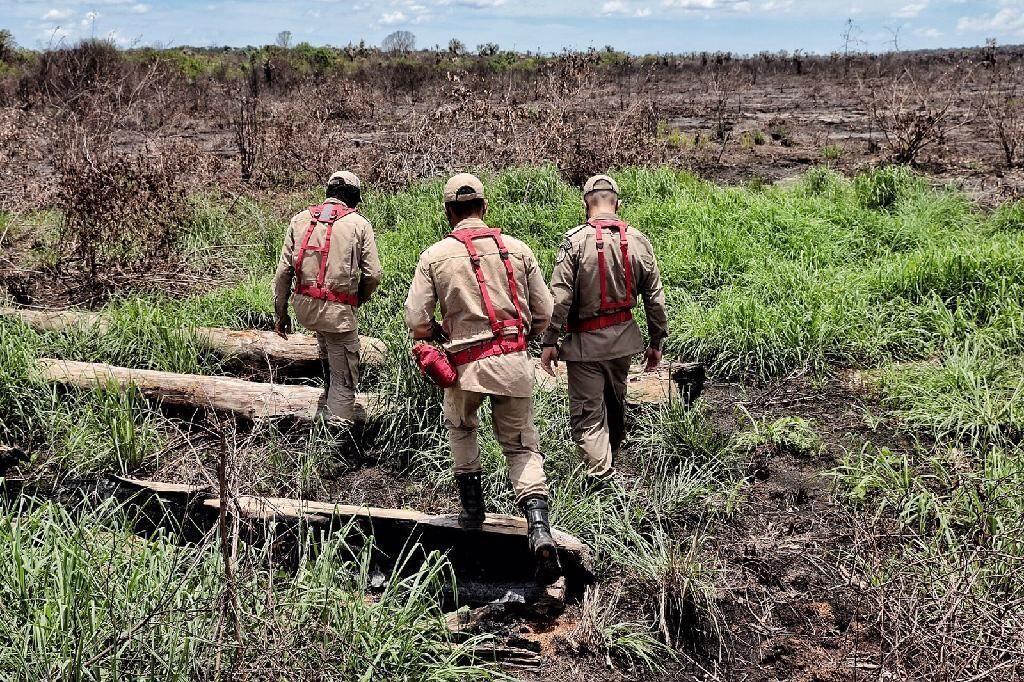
676	382
251	346
497	554
247	399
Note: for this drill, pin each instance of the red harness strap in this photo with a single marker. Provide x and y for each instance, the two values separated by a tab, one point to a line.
609	313
328	213
501	343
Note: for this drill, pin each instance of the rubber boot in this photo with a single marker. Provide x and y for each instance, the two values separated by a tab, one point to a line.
542	545
471	496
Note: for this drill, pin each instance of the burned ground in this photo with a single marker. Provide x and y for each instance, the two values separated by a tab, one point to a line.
842	503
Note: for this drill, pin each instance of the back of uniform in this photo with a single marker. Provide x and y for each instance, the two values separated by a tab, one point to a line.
492	297
330	253
603	269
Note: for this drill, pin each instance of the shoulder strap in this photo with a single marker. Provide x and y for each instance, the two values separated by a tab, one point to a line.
328	213
627	267
466	237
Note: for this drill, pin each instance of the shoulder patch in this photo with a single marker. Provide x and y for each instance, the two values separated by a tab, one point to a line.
562	250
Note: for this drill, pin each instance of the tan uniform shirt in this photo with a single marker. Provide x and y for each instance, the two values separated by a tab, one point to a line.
444	276
576	287
352	266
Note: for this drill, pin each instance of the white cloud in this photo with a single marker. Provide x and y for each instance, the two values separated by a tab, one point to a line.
777	5
696	5
58	15
692	4
928	32
473	4
139	8
1008	20
910	11
389	18
619	8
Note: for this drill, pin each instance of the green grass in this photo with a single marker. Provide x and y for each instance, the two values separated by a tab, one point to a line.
84	598
881	271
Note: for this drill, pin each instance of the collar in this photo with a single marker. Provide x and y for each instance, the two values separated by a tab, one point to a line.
605	216
470	224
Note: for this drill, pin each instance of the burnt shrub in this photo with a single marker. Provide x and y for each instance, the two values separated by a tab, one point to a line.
119	222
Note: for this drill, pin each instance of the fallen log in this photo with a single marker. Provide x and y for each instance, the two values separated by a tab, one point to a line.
676	382
248	345
248	399
498	553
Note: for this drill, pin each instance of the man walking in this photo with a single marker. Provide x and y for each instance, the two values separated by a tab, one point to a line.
331	253
601	269
492	297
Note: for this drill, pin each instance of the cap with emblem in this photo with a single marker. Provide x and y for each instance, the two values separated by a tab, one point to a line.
344	178
600	182
463	187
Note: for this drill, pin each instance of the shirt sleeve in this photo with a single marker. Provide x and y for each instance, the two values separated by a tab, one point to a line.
421	302
539	297
653	294
369	263
563	286
285	272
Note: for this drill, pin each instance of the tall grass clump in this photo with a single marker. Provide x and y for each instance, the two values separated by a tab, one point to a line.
84	598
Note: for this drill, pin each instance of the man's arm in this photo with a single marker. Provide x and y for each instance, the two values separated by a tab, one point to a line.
540	301
420	303
369	263
653	294
563	288
283	282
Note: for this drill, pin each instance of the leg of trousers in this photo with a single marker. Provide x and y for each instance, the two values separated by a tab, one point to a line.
514	429
597	410
342	353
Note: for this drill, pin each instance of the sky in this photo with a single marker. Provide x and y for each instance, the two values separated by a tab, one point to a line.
638	26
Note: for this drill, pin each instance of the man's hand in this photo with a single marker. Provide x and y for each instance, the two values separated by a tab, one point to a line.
283	325
653	358
548	358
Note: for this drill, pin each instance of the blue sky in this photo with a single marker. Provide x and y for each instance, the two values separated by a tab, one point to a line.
639	26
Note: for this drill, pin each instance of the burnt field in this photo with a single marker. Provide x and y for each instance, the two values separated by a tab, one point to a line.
274	118
842	250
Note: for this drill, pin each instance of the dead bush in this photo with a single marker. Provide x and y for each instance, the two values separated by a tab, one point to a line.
914	114
120	219
1005	110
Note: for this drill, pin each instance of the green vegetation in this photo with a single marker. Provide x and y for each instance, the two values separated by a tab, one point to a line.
84	598
881	272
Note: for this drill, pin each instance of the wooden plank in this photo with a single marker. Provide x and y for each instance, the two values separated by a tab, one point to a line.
270	508
249	399
501	541
249	345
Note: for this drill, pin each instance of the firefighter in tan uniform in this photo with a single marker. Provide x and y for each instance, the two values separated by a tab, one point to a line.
492	297
601	269
331	253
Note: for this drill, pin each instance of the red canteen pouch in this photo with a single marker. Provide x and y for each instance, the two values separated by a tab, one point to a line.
435	365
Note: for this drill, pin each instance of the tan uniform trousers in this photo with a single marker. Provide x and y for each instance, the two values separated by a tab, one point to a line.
597	410
513	427
341	352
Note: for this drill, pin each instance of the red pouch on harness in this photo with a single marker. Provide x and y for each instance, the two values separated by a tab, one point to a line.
435	365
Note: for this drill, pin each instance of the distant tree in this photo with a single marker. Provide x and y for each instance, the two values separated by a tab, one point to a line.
7	45
851	39
399	42
284	40
456	47
488	49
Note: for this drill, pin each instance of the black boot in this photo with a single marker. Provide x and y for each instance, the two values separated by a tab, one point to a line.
471	495
542	545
